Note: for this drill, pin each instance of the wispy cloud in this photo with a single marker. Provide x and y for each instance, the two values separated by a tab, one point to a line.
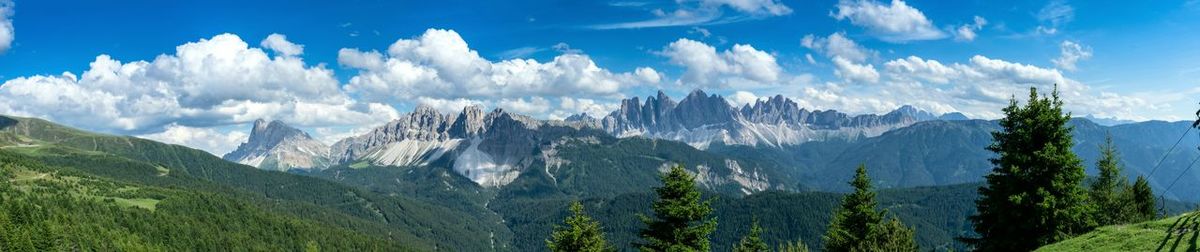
696	13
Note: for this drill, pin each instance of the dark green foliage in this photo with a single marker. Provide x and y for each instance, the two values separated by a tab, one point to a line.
753	241
1033	196
580	233
858	226
415	223
792	246
681	217
1141	200
59	209
1108	193
853	223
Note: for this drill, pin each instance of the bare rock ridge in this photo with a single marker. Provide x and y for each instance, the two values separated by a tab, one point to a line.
277	146
493	148
702	119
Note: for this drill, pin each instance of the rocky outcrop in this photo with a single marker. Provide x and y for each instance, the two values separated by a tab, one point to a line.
701	119
277	146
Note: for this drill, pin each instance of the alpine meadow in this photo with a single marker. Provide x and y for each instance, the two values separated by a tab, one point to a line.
599	126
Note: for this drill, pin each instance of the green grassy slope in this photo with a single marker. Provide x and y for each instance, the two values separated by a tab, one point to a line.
1179	233
412	222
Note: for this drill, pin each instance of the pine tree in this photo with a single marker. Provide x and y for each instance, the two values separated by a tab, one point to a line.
1033	196
793	246
580	233
852	223
857	226
1142	201
894	236
1106	193
753	241
682	221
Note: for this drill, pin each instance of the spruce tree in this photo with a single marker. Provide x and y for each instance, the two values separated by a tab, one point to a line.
852	223
857	226
682	221
1142	200
1106	193
753	241
580	233
793	246
1033	195
893	235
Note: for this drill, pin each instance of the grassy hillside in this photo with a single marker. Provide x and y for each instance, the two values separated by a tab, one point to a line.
411	222
1179	233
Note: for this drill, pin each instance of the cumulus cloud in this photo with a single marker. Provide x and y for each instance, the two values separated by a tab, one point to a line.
837	45
741	98
533	106
966	32
897	22
1071	53
703	12
207	139
6	25
7	33
279	43
440	64
852	72
737	66
211	82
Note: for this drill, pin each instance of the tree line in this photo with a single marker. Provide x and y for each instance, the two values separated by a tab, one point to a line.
1034	196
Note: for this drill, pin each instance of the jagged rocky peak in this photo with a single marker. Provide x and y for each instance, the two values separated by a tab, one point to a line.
700	109
915	113
277	146
775	110
468	123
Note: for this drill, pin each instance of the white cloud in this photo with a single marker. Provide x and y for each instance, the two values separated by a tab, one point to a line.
1056	13
6	24
836	45
966	32
740	98
703	12
570	106
852	72
705	67
534	106
279	43
439	64
207	139
211	82
1072	53
448	105
897	22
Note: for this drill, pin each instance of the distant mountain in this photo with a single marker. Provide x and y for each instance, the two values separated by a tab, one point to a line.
701	119
953	116
1107	121
277	146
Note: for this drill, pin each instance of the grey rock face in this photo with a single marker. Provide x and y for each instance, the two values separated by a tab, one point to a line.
700	119
277	146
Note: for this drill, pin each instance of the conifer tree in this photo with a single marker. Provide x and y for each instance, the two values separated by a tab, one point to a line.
753	241
852	223
793	246
580	233
1142	201
681	217
1033	196
1106	193
857	226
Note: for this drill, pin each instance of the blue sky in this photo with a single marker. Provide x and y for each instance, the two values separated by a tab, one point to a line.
197	72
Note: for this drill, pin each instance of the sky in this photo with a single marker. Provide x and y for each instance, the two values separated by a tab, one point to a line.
198	73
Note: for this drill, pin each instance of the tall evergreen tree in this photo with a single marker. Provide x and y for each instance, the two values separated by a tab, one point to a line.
1033	196
793	246
1107	192
1142	200
852	223
580	233
857	226
682	221
753	241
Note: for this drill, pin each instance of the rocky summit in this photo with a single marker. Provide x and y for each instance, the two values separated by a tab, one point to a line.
277	146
